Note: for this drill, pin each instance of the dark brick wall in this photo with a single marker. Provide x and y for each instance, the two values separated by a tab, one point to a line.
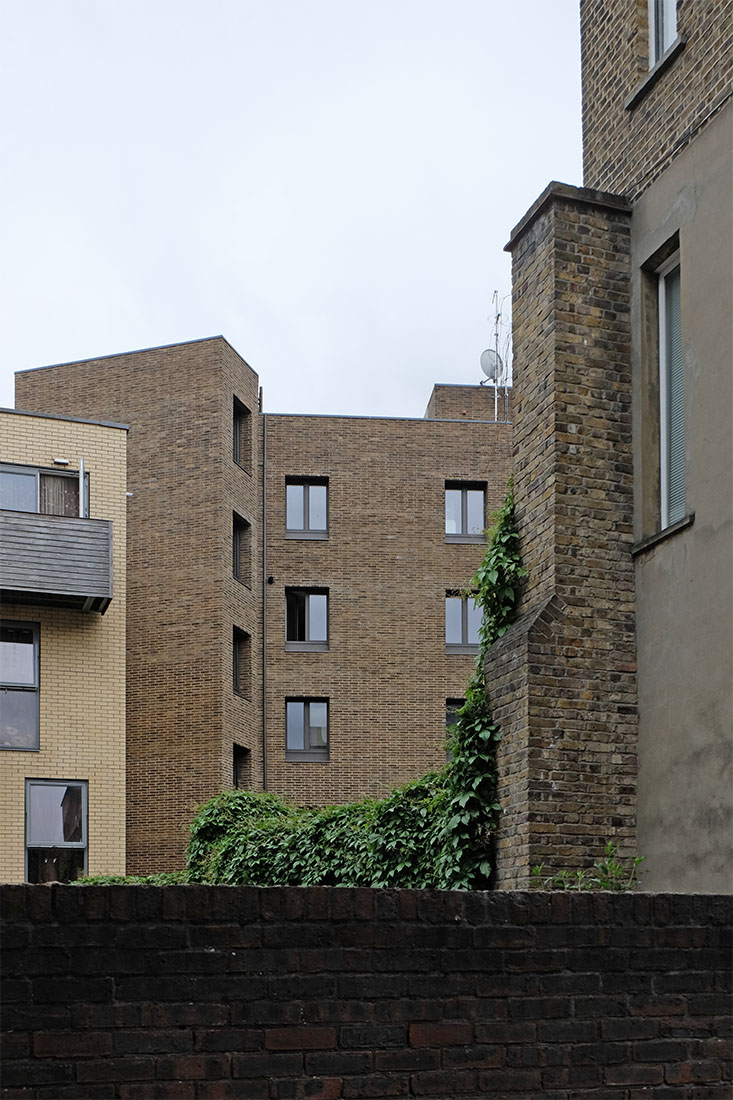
197	992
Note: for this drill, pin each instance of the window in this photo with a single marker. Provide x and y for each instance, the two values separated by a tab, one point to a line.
671	396
241	767
662	28
462	623
242	550
50	492
306	508
242	663
19	684
55	830
242	436
464	512
452	706
306	618
306	729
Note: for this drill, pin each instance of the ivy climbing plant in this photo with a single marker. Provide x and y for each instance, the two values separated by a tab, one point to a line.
435	832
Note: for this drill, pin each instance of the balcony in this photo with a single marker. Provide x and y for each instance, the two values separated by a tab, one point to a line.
55	561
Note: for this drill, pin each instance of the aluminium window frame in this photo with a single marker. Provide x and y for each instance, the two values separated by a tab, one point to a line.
80	476
464	646
464	536
82	844
306	531
307	644
309	754
35	688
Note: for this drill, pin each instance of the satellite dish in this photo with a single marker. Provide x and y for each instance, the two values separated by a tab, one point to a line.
491	365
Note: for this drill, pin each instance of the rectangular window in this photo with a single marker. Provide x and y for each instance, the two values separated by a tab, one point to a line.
306	618
48	492
242	550
306	729
19	685
242	663
465	517
306	508
242	436
462	623
671	396
55	829
662	28
452	706
241	768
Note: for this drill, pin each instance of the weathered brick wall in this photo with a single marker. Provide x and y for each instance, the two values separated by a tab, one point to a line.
627	146
387	566
562	680
182	717
203	992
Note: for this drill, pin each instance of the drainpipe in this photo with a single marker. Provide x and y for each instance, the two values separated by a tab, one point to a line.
264	595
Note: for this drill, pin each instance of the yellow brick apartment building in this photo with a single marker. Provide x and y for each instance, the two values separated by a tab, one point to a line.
62	647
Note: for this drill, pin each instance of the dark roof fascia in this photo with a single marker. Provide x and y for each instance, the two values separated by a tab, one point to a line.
70	419
135	351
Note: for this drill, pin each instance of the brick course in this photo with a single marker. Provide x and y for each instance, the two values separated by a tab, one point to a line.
562	680
521	995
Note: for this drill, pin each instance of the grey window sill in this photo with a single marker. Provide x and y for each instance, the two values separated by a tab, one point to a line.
306	647
654	73
472	649
475	540
321	535
299	757
660	536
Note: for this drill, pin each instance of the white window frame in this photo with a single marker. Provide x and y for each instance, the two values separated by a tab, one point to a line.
36	471
662	28
666	429
82	844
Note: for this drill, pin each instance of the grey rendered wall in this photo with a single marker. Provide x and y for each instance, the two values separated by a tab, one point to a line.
685	621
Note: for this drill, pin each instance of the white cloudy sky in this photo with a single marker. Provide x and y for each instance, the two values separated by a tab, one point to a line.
327	183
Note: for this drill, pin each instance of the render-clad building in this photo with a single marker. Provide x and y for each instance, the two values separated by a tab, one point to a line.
62	647
614	687
297	614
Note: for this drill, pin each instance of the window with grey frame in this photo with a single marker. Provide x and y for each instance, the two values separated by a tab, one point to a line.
48	492
463	617
306	508
662	28
306	729
241	663
55	829
19	685
465	511
306	619
242	436
671	395
242	550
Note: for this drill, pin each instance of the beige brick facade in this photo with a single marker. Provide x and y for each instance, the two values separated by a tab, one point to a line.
386	566
81	656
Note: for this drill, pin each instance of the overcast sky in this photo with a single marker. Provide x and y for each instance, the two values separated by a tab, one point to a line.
327	183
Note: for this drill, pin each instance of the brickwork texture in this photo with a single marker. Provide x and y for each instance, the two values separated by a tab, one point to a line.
562	680
82	658
203	992
626	146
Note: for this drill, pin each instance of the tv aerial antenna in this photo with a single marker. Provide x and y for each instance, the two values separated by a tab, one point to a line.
493	364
